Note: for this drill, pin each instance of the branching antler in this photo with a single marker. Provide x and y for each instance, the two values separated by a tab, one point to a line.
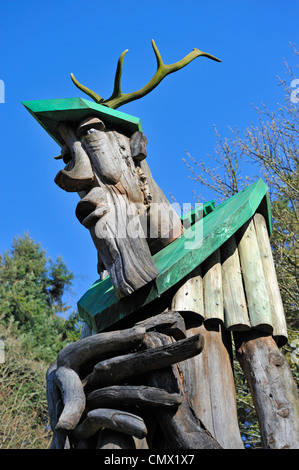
118	98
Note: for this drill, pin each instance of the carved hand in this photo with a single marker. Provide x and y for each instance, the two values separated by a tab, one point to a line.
98	382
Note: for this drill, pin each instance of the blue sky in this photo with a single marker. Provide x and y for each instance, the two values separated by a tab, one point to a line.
42	42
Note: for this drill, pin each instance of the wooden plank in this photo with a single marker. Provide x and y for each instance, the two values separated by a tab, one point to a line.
259	308
189	296
234	301
280	333
212	288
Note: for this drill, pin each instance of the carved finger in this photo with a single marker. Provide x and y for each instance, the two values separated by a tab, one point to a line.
117	369
95	347
129	395
121	421
73	398
55	407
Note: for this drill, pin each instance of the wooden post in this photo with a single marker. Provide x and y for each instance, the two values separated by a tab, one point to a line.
273	389
235	304
277	311
268	374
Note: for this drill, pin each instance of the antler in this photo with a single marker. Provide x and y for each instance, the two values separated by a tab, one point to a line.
118	98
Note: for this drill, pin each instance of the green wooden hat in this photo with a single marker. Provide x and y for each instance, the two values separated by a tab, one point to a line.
49	113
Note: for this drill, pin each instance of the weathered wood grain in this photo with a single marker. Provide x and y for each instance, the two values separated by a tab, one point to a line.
277	311
114	222
210	386
273	389
212	288
234	300
254	279
181	428
128	395
161	224
189	296
138	143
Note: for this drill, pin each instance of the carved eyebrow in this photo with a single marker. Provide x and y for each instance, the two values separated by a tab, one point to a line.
118	98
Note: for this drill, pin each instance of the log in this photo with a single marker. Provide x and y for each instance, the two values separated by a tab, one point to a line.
189	296
234	300
212	288
128	395
181	427
73	398
117	369
116	420
273	389
254	279
277	311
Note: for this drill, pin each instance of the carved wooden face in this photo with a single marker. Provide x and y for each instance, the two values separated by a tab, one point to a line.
113	197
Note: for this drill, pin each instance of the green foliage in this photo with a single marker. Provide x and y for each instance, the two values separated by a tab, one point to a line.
23	403
31	295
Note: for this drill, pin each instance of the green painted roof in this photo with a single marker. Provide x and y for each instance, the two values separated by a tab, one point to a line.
49	113
100	307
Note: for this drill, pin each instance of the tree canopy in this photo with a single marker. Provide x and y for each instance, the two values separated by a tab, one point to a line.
32	286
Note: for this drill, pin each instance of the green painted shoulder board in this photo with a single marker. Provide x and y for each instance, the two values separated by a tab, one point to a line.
49	113
100	308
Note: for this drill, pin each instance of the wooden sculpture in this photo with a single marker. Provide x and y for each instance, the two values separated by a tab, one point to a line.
154	366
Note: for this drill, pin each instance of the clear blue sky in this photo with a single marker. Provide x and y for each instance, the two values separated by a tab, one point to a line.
42	42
